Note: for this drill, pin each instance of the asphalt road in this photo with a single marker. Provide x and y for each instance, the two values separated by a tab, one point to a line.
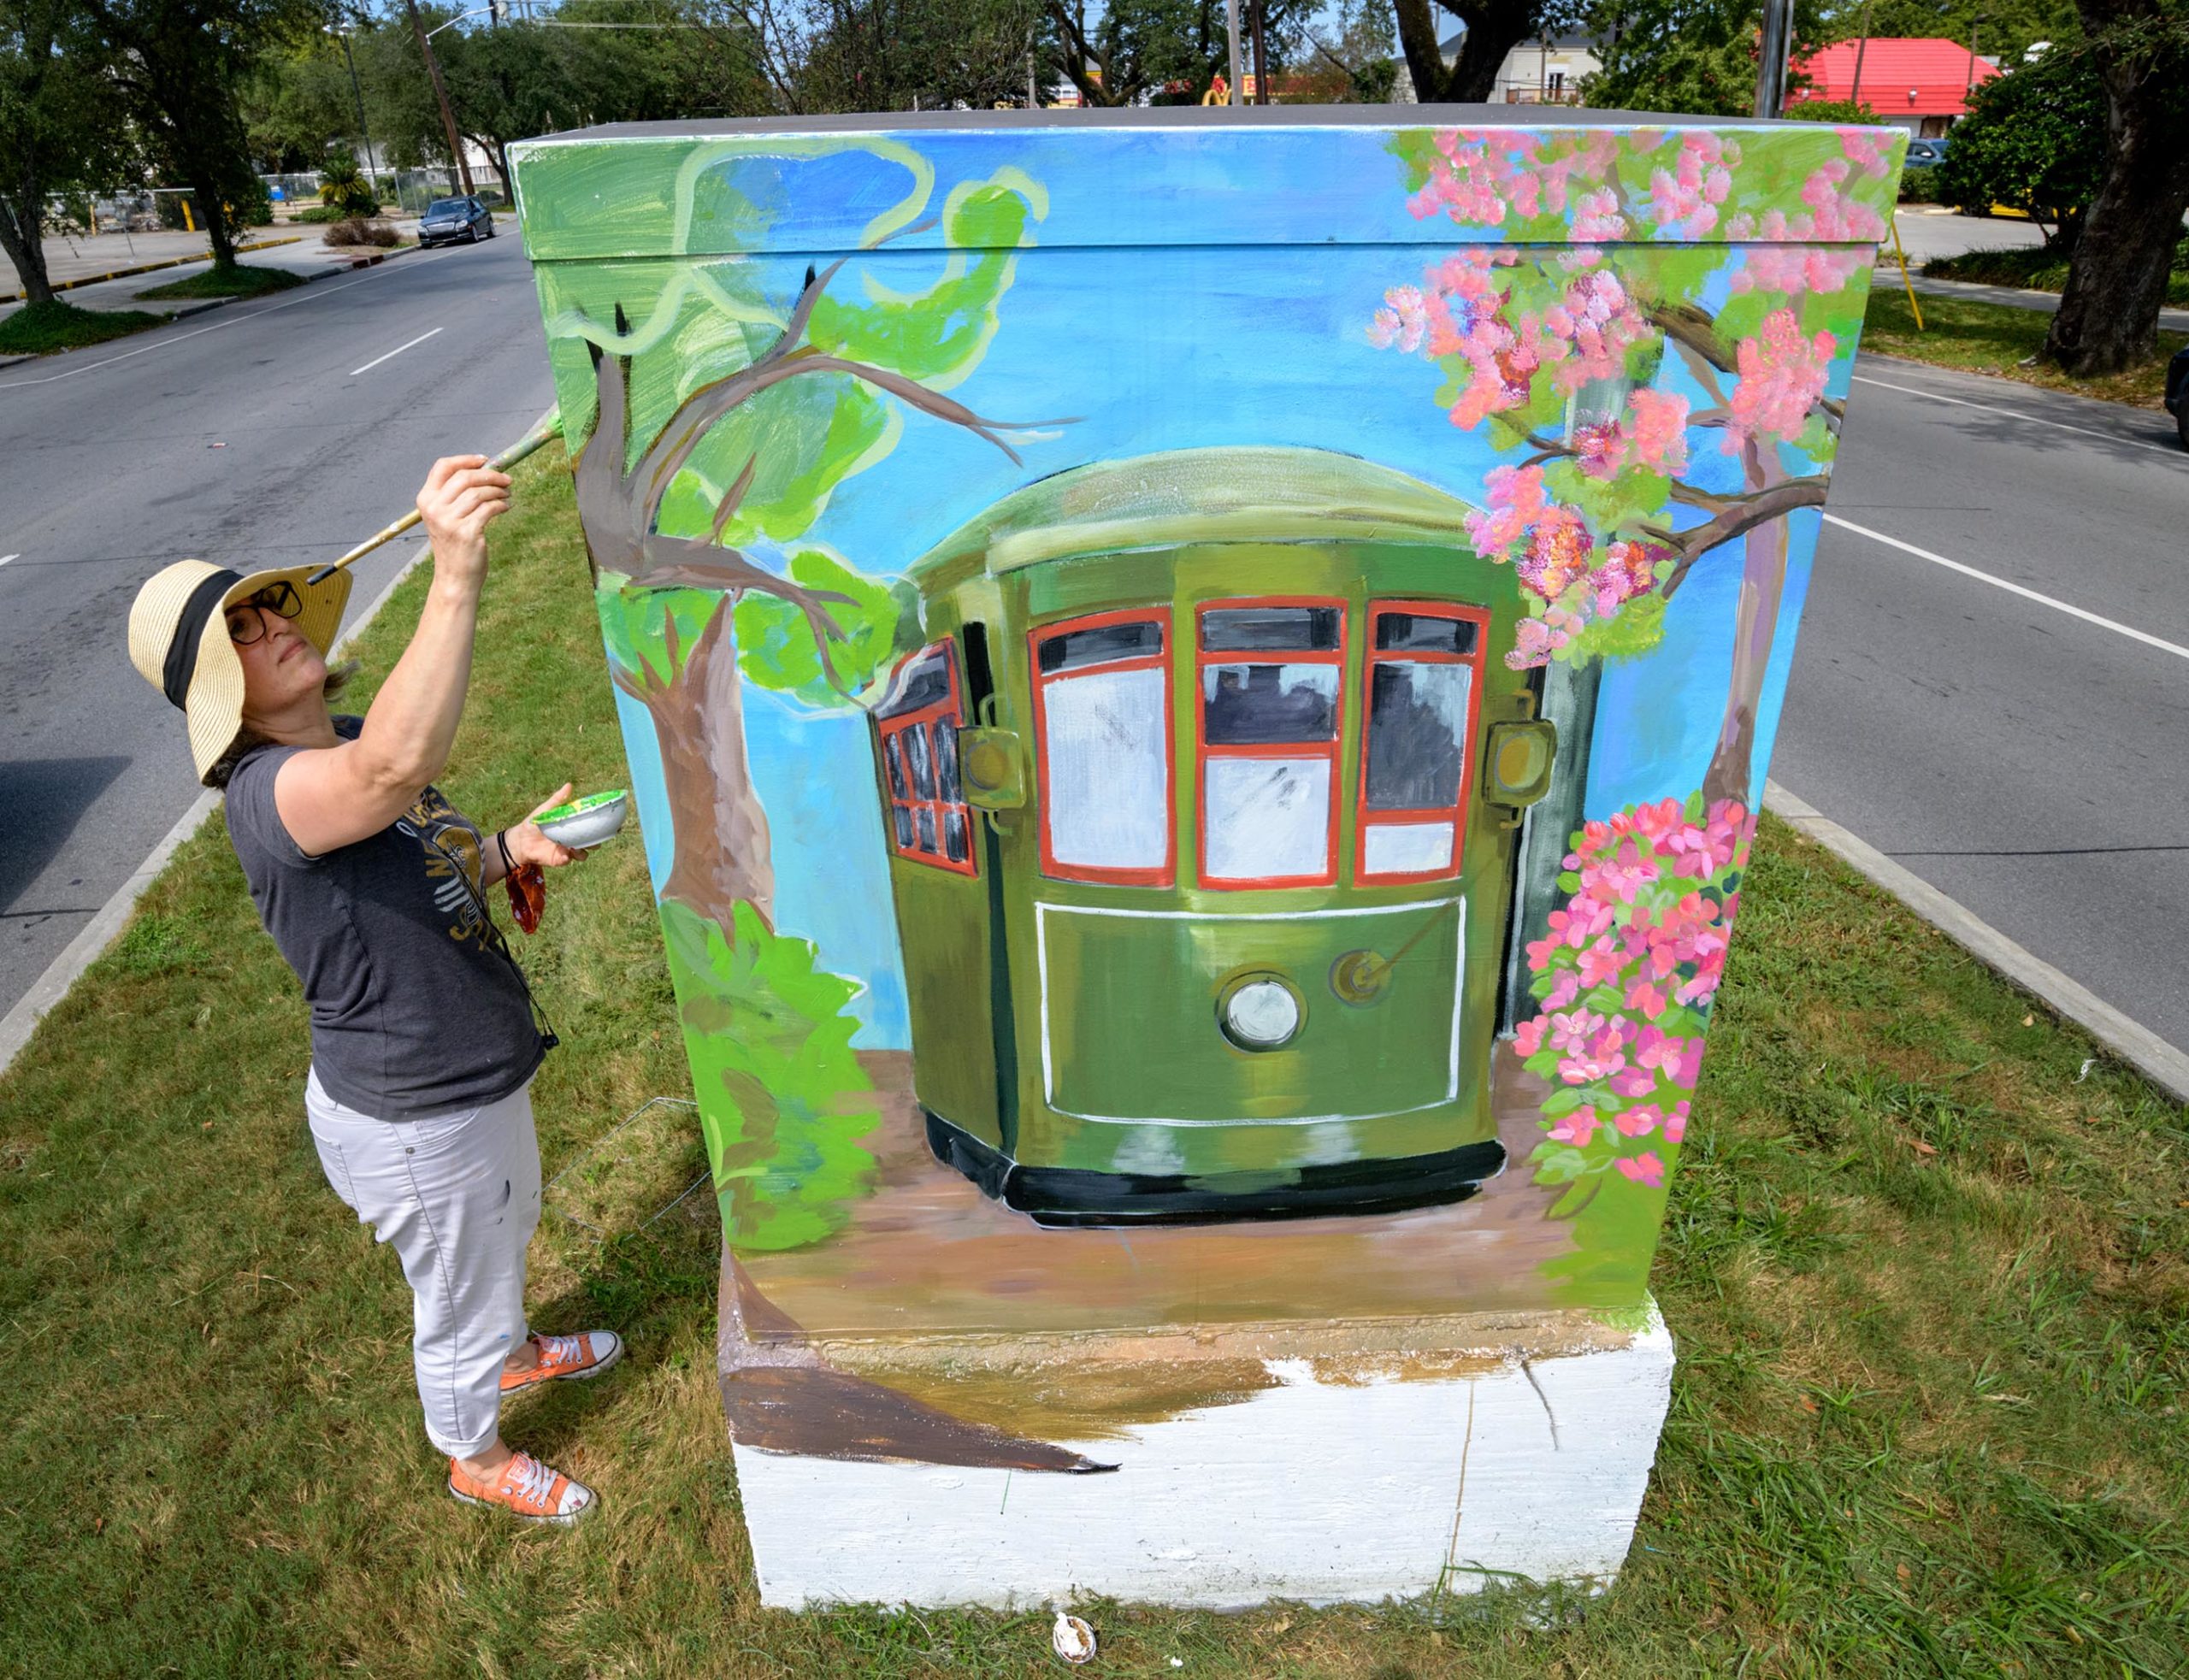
2027	762
2032	764
253	435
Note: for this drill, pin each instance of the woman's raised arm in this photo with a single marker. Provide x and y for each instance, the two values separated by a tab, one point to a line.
332	797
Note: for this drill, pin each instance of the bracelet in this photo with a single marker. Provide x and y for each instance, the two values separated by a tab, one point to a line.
501	839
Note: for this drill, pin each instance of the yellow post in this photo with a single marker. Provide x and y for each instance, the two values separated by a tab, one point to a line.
1907	283
190	225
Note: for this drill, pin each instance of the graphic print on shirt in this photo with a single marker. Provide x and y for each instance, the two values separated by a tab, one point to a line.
454	864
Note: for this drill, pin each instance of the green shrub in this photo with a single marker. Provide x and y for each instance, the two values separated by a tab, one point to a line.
2033	140
1919	184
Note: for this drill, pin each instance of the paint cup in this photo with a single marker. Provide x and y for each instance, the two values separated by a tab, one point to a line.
587	821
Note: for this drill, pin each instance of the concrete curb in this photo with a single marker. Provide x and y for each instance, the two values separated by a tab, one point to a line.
153	268
2138	1046
93	938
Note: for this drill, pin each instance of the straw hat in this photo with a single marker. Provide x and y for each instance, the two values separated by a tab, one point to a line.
178	640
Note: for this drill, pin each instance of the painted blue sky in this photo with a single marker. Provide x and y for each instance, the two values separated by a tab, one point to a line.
1158	348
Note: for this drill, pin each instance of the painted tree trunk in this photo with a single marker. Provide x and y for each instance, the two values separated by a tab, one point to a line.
721	833
2108	313
1763	579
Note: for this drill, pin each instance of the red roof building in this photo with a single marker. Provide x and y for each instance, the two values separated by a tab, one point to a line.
1921	85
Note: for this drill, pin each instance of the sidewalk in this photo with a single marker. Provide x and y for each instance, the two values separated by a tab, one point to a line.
307	253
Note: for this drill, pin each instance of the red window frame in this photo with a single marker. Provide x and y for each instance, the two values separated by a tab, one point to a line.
1203	751
1167	872
1364	818
946	710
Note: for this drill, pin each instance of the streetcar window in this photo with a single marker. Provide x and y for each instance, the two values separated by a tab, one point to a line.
1421	679
917	722
1417	714
925	681
1101	696
1269	629
1269	740
1100	644
1416	632
1264	705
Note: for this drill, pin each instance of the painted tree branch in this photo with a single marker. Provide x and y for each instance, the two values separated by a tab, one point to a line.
1740	516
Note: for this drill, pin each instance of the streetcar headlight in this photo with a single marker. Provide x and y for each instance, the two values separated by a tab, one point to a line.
1260	1013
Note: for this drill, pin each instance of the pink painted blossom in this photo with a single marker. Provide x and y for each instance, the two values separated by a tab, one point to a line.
1573	1031
1639	1122
1676	1123
1782	375
1641	1169
1577	1128
1527	1037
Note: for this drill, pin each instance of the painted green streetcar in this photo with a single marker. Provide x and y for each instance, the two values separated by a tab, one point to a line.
1202	800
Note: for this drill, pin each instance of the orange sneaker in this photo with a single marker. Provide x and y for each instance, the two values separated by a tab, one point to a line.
526	1488
571	1358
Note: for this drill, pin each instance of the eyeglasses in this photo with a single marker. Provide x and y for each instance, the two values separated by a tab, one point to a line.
245	628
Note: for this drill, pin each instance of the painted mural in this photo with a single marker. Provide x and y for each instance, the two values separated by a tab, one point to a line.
1197	693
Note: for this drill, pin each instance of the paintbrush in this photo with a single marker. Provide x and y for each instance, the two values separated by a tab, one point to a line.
548	428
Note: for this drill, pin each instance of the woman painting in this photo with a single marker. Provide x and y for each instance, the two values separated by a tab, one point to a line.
425	1038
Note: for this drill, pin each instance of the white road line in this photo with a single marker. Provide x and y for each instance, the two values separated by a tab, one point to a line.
5	559
2015	414
2118	628
397	350
233	318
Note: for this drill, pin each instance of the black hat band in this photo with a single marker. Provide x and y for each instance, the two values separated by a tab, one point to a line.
189	630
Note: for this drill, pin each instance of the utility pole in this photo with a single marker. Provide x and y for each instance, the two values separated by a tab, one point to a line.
357	94
1771	57
448	117
1261	62
1861	45
1232	31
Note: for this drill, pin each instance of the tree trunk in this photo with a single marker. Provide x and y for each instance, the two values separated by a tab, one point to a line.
1756	622
22	236
2116	281
720	831
1473	78
205	182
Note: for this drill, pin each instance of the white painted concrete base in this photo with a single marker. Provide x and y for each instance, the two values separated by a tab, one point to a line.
1356	1490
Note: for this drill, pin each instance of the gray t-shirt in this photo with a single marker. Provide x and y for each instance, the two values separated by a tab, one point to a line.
416	1005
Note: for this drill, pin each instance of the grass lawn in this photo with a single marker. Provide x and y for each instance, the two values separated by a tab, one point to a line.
1925	1266
242	280
1981	338
2037	269
39	329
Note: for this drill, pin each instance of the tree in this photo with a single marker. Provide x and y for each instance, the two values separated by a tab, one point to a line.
1608	504
1697	56
1649	346
2034	139
1354	57
2108	319
51	137
182	65
897	54
1167	51
1493	28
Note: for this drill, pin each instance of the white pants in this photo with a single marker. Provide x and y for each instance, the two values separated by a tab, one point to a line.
458	1196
